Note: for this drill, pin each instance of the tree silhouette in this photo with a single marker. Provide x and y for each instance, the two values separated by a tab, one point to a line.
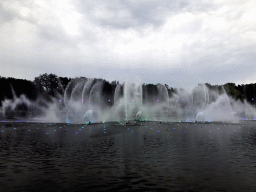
49	84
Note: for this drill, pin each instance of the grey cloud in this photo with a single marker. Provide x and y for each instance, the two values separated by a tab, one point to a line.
209	61
201	70
5	15
140	13
55	34
207	69
8	14
48	32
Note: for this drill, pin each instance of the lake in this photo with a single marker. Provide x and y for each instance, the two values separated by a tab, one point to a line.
145	156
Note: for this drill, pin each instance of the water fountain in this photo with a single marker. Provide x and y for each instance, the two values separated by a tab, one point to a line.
216	109
82	95
92	100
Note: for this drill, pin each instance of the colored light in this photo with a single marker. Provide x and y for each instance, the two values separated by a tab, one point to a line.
60	100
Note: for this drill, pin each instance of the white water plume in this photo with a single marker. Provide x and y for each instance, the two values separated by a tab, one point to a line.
86	100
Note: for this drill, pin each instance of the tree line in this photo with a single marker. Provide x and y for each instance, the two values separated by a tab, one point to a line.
47	86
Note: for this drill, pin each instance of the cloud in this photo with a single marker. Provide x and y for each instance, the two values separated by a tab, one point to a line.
125	14
210	42
137	14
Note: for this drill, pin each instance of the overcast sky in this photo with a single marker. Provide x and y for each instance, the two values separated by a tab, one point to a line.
176	42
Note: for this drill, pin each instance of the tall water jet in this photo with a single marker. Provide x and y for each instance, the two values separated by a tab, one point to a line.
200	97
162	102
96	99
132	99
118	94
86	92
119	108
74	99
184	100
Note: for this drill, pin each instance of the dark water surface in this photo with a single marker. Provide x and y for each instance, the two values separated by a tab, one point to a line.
112	157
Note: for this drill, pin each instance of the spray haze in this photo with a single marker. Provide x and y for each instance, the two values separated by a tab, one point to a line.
95	100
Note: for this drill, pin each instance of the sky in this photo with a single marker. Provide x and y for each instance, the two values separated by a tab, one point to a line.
176	42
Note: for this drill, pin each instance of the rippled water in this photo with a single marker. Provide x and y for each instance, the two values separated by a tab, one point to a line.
119	157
